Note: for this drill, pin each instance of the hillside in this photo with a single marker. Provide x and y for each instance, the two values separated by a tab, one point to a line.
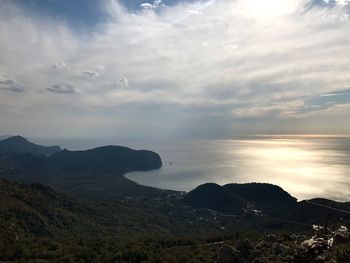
261	193
237	198
41	224
215	197
315	211
18	144
269	202
35	208
106	159
95	173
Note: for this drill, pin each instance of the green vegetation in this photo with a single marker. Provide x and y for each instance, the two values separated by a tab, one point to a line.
96	173
234	198
89	214
40	224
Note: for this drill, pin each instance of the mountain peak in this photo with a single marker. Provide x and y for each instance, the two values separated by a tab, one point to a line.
16	138
19	144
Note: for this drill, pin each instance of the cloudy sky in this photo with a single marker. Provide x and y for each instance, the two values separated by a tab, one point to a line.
149	69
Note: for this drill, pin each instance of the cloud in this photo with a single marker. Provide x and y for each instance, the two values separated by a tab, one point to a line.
198	62
327	3
91	74
326	101
194	12
100	67
123	82
156	4
5	80
147	6
62	88
10	84
59	65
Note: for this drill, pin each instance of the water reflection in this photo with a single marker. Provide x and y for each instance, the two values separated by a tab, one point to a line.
306	167
299	166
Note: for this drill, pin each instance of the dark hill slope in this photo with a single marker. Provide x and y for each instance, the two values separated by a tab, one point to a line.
269	198
316	210
106	160
215	197
261	193
235	198
110	159
28	209
96	172
272	200
18	144
40	224
24	167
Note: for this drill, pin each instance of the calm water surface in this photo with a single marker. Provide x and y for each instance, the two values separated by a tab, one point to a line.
306	167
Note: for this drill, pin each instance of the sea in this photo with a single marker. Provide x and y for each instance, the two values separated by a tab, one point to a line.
306	166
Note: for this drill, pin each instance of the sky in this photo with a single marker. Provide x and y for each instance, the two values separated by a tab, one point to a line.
174	69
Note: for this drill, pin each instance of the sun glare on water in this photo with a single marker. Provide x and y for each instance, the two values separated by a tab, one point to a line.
296	165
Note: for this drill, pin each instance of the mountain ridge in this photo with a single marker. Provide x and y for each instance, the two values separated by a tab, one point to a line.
234	198
96	172
19	144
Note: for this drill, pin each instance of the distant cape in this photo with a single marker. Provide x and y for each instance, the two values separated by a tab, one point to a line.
96	172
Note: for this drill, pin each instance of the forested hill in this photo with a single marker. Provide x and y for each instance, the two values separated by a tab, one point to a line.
106	159
233	198
18	144
95	172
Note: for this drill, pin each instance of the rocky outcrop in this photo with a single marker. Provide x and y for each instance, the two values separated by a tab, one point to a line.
318	248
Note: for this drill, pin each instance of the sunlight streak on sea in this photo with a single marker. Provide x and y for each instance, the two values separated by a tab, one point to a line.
305	166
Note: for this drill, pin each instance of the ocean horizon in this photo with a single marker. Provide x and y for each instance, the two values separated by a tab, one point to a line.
307	166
